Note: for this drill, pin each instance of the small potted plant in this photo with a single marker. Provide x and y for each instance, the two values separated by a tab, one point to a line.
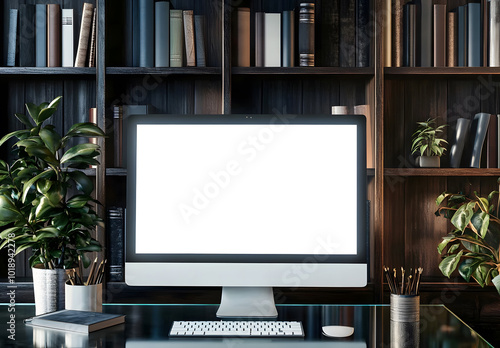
45	200
473	245
427	143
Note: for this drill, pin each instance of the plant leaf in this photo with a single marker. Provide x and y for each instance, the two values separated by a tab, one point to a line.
462	216
83	182
468	267
8	211
450	263
85	149
496	282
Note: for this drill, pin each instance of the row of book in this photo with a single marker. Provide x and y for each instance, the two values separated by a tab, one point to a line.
425	34
335	33
42	35
165	37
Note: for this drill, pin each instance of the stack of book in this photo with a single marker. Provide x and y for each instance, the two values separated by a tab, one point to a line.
165	37
42	35
332	33
430	35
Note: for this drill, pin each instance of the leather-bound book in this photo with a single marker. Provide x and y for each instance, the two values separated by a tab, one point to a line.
452	34
241	37
146	33
474	50
363	33
288	32
387	33
347	55
439	35
41	35
26	35
307	34
54	35
68	51
426	33
176	39
162	34
188	21
397	33
93	40
83	41
409	35
328	35
200	38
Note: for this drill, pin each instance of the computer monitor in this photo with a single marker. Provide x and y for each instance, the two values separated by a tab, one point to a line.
246	202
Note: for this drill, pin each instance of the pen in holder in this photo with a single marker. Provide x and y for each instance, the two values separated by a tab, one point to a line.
85	295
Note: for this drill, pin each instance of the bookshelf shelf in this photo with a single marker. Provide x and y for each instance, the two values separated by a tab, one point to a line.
164	71
442	172
303	71
441	71
46	71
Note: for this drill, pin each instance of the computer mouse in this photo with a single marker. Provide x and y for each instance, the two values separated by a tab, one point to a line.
337	331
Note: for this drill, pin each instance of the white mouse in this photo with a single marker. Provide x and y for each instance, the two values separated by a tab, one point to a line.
337	331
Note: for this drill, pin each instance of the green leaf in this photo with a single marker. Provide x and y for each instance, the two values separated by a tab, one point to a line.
43	175
496	282
462	216
86	129
24	247
8	211
24	120
5	233
450	263
468	267
53	104
43	208
33	111
481	222
78	201
83	182
45	114
444	243
51	139
16	134
481	274
85	149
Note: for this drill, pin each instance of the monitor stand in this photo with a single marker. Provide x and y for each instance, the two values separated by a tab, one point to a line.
247	302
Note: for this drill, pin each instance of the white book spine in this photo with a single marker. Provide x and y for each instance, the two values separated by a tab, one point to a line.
494	33
67	33
272	39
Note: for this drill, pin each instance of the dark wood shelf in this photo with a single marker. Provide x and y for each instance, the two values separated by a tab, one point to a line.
46	71
436	71
442	172
164	71
116	172
303	71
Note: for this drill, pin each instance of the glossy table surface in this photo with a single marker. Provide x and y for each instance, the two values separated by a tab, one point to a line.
147	326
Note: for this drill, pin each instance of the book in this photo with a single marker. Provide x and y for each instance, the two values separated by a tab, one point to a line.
135	32
27	35
41	35
176	39
458	143
347	18
188	21
12	43
53	35
409	35
259	39
83	40
200	39
115	233
474	51
370	143
307	34
426	33
117	136
93	40
478	129
462	37
328	35
492	143
387	34
494	33
67	33
451	40
397	33
162	34
146	33
93	119
76	321
439	35
363	32
241	37
272	39
288	47
485	16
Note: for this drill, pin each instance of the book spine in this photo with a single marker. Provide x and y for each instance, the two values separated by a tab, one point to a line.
41	35
162	34
492	143
397	30
241	47
461	47
26	35
452	35
93	40
83	41
328	35
406	35
288	27
116	238
135	33
118	136
272	40
362	33
494	38
176	39
439	35
457	147
474	35
93	119
413	35
128	33
259	39
53	35
478	134
67	38
347	53
146	33
200	38
485	15
307	34
370	145
188	21
387	33
12	44
426	33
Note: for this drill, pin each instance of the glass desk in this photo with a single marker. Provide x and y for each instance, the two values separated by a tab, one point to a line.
147	326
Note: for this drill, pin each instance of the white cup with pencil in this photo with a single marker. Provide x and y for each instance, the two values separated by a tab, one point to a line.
85	294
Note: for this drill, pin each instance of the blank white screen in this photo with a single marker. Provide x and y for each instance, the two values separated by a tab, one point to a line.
246	189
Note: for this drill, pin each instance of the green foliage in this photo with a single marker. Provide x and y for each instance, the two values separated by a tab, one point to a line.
473	246
45	201
425	140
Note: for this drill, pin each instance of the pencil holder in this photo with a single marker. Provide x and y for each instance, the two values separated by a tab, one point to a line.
405	308
405	335
84	297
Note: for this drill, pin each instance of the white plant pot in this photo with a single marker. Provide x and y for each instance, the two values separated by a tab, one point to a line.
48	286
429	161
84	297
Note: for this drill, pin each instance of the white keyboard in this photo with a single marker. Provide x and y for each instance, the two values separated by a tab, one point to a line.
236	328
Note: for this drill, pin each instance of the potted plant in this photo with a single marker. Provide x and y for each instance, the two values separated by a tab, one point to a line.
45	200
426	142
474	244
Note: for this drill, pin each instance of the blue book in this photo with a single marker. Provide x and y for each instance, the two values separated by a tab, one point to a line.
288	47
12	43
162	34
146	33
474	51
41	35
461	36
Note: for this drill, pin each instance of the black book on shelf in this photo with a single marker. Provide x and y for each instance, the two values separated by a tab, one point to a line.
116	231
457	147
347	54
26	35
307	34
363	32
474	147
328	35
